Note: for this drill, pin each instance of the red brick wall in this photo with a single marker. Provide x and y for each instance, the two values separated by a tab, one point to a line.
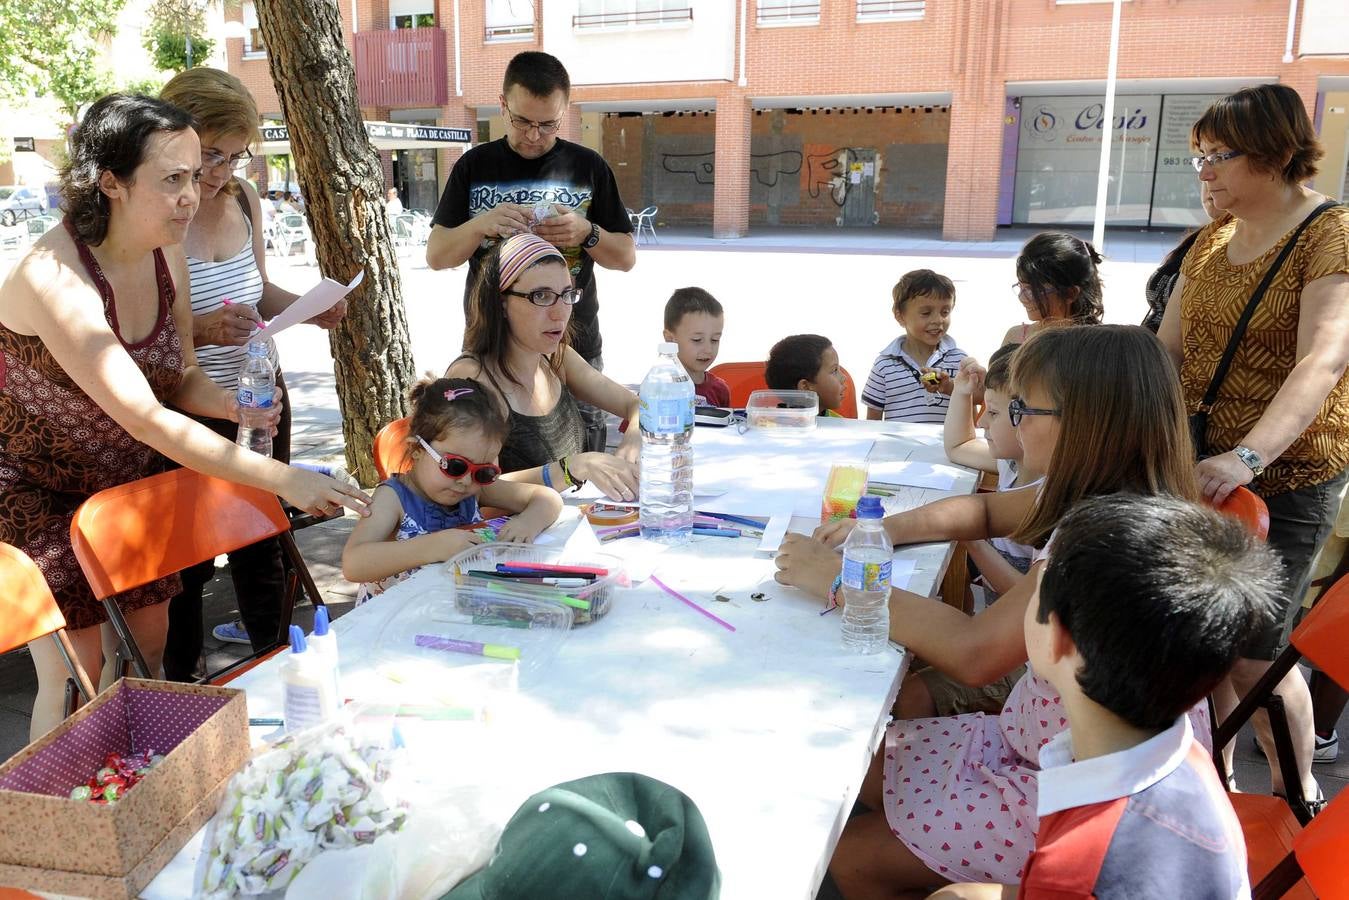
968	49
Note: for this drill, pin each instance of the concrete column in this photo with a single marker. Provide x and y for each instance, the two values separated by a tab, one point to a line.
730	191
973	151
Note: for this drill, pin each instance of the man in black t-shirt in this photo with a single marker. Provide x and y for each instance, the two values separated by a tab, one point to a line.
533	181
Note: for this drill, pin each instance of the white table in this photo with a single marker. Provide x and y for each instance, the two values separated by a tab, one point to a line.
768	729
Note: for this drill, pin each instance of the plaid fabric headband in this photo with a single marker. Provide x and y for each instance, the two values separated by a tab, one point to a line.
519	252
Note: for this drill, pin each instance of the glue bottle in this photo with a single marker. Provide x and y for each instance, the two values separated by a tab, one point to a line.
324	642
307	687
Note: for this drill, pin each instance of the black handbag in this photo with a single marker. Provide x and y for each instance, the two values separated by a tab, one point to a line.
1199	418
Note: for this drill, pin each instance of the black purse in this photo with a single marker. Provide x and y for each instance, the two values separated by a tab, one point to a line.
1199	418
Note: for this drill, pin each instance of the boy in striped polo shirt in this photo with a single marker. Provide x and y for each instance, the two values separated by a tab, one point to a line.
911	380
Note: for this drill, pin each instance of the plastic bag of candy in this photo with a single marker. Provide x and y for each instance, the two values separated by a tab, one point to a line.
328	788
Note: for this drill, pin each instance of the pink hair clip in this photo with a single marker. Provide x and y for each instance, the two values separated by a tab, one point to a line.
455	393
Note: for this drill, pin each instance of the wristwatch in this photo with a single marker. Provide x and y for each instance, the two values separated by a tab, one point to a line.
1251	459
593	239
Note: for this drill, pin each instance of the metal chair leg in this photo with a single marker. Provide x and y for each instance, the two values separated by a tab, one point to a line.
67	650
126	648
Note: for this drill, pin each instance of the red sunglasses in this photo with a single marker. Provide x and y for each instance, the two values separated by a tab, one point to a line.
452	465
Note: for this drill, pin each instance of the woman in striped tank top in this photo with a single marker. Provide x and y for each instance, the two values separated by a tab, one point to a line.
230	297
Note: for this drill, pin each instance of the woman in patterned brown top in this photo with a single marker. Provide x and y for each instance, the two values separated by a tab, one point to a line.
1280	423
90	358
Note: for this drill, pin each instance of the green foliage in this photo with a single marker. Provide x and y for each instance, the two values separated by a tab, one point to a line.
44	42
148	86
170	24
74	81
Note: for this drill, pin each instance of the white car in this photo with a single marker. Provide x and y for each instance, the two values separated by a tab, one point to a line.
17	202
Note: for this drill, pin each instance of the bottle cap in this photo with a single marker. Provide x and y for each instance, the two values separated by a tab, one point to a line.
669	348
869	507
321	621
297	642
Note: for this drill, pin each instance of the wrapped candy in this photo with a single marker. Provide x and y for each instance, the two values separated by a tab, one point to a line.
115	777
325	791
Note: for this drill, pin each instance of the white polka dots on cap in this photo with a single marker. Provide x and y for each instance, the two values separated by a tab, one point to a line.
579	849
636	828
655	871
544	807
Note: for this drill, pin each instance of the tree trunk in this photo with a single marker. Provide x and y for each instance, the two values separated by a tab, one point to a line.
343	184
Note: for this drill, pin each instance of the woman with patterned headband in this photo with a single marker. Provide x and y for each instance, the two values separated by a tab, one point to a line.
517	342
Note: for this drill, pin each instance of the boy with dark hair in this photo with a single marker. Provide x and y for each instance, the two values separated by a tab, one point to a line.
1141	611
911	378
807	362
532	180
694	320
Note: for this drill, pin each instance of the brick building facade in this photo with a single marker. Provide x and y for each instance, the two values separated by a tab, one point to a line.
958	114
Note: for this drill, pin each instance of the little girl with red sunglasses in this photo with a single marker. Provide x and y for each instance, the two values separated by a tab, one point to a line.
416	517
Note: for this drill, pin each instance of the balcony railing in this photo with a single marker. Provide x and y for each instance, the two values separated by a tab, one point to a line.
402	67
891	10
630	19
519	32
787	13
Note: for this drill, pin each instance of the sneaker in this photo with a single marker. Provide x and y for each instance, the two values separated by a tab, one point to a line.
231	633
1327	749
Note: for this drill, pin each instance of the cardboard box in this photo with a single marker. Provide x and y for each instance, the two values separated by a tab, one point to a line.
49	842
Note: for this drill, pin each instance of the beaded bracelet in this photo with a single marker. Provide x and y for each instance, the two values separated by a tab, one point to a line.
833	591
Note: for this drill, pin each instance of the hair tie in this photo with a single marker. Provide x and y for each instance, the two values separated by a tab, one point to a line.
455	393
520	251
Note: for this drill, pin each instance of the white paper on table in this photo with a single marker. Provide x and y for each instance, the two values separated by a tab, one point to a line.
317	300
774	532
901	570
919	474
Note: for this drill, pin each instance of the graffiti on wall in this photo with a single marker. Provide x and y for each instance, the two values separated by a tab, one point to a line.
826	172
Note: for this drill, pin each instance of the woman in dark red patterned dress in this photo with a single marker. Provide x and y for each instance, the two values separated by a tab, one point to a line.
90	358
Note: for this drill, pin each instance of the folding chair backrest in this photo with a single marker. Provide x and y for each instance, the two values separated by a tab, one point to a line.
30	609
1323	634
391	443
1247	506
744	378
135	533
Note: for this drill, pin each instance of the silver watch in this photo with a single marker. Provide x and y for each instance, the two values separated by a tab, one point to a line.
1251	459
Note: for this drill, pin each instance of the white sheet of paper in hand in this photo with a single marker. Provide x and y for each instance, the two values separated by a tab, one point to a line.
318	299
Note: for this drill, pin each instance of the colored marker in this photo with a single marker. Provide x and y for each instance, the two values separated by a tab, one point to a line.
494	651
556	596
272	723
739	520
555	569
717	532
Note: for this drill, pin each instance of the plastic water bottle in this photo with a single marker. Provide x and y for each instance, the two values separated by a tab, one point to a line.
257	393
866	581
667	451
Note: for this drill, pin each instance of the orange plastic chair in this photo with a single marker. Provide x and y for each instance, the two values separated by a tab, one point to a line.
1272	827
1317	856
1247	506
137	532
391	448
744	378
31	613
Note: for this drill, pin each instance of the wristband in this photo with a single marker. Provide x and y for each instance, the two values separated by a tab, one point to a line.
547	479
834	589
572	480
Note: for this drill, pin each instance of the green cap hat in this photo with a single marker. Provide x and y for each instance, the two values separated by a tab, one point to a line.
605	837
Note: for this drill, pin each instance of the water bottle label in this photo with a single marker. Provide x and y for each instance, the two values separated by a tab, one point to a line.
866	576
250	399
672	416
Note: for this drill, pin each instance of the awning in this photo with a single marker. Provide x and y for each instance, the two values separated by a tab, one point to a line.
384	135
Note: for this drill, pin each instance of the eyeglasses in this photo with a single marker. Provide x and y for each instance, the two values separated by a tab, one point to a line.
212	158
1021	289
1018	408
1213	159
547	296
519	123
452	465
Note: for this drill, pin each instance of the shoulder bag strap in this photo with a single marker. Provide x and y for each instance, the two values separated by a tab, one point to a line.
1240	330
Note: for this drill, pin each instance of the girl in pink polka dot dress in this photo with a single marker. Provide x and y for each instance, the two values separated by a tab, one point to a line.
1098	409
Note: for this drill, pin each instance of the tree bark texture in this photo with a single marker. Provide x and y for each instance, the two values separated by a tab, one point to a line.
343	184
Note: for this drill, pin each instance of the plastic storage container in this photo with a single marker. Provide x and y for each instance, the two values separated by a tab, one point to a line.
782	409
587	601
